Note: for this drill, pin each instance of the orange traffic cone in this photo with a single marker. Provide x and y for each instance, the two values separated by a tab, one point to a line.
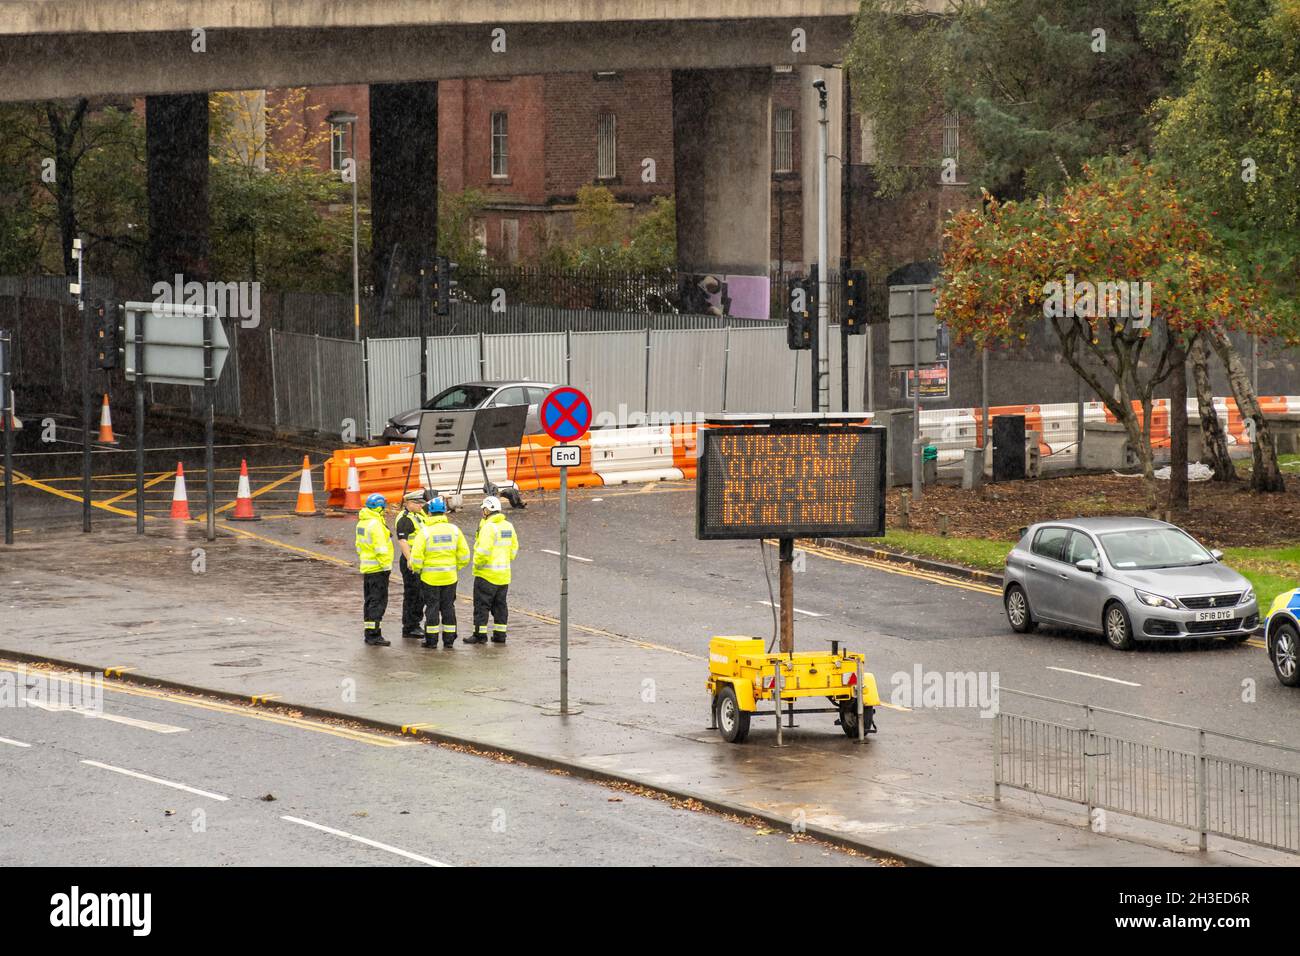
106	424
180	501
306	506
244	497
352	497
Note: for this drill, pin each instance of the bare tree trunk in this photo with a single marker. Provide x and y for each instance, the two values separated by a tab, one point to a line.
1265	475
1216	439
1178	428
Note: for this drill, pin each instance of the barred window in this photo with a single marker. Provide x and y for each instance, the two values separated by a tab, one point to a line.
606	146
338	152
500	145
783	134
951	136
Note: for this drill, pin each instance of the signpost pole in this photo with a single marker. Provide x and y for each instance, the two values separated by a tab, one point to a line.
139	422
7	404
564	590
787	598
916	398
83	318
209	416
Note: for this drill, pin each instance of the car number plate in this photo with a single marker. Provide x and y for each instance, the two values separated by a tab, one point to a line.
1223	615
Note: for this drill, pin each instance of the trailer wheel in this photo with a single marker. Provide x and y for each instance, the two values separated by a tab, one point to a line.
733	723
849	719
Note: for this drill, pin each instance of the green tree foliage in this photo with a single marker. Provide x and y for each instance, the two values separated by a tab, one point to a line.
1232	130
458	218
609	236
1041	86
277	218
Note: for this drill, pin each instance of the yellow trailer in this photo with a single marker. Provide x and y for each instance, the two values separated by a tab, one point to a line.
742	673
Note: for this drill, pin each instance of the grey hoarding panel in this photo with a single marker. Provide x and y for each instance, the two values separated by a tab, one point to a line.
610	368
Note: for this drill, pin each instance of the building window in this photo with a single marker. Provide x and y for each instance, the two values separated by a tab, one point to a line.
606	141
785	68
510	239
338	152
951	136
500	145
783	162
608	75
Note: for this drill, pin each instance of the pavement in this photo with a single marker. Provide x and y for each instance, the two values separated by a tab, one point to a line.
271	610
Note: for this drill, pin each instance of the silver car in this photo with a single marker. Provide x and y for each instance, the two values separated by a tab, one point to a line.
404	427
1128	579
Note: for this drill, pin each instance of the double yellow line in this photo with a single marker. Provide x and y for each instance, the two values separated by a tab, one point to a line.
891	568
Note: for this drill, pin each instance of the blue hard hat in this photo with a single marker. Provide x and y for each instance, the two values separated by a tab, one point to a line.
376	501
436	506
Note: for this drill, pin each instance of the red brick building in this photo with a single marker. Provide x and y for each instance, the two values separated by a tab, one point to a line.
529	143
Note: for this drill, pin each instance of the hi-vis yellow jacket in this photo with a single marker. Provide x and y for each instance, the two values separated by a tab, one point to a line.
438	551
495	546
374	546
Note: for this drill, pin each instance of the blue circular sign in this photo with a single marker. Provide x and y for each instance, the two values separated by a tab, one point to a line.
565	414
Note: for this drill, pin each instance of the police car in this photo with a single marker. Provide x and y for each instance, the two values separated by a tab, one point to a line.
1282	626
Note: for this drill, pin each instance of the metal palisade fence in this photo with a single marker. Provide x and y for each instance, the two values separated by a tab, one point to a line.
1152	769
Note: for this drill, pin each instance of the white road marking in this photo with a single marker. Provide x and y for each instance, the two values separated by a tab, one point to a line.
1113	680
115	718
796	610
572	557
368	842
145	776
13	743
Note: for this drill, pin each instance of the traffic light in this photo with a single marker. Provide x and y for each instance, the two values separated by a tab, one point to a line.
443	283
104	334
855	302
801	313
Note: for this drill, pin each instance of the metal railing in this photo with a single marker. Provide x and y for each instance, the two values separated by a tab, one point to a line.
1192	788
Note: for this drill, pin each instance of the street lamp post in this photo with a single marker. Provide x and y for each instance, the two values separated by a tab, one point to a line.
822	362
336	119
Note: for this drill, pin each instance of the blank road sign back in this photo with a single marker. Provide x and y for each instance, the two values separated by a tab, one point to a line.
794	481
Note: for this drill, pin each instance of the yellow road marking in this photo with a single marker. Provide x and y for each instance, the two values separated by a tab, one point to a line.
116	671
148	484
60	493
360	736
289	547
412	728
262	698
297	473
897	707
891	568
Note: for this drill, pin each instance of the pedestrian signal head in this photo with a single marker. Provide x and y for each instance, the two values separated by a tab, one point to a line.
376	501
436	506
492	504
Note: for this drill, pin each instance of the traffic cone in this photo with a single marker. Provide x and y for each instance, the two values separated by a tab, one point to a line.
244	497
106	424
352	497
306	506
180	501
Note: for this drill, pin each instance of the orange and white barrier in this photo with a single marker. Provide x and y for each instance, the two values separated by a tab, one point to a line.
180	500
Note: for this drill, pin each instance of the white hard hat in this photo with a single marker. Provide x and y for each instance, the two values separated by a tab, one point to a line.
491	503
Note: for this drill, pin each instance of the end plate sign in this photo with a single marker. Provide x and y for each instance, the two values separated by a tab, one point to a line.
566	456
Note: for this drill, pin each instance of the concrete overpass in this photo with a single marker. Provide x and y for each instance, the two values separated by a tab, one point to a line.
721	52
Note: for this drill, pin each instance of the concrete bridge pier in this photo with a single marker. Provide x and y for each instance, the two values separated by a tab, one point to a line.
176	138
403	177
722	164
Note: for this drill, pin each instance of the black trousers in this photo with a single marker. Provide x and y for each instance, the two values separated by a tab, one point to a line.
375	588
412	599
490	599
440	602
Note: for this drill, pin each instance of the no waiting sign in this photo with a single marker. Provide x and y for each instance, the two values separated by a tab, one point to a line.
798	480
565	414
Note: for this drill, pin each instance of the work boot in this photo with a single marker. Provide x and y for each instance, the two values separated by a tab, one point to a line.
430	642
377	640
476	638
498	637
448	640
416	635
